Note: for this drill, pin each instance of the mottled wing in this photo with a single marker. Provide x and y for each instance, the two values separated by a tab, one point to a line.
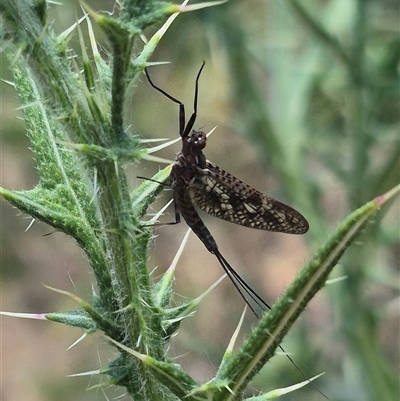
222	195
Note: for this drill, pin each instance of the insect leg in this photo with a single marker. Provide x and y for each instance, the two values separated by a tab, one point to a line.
177	211
181	105
192	118
165	183
171	223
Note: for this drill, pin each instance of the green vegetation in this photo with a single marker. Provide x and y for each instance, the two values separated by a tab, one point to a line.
316	89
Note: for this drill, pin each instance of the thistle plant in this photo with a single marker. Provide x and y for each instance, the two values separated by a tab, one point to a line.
74	113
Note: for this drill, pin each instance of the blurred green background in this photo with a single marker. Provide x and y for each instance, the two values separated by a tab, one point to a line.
307	104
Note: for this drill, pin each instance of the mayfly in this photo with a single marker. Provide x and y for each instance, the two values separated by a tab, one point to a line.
196	182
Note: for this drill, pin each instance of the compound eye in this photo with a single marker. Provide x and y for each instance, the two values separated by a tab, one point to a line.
199	139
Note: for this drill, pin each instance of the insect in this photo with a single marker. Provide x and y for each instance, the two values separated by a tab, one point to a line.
196	182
